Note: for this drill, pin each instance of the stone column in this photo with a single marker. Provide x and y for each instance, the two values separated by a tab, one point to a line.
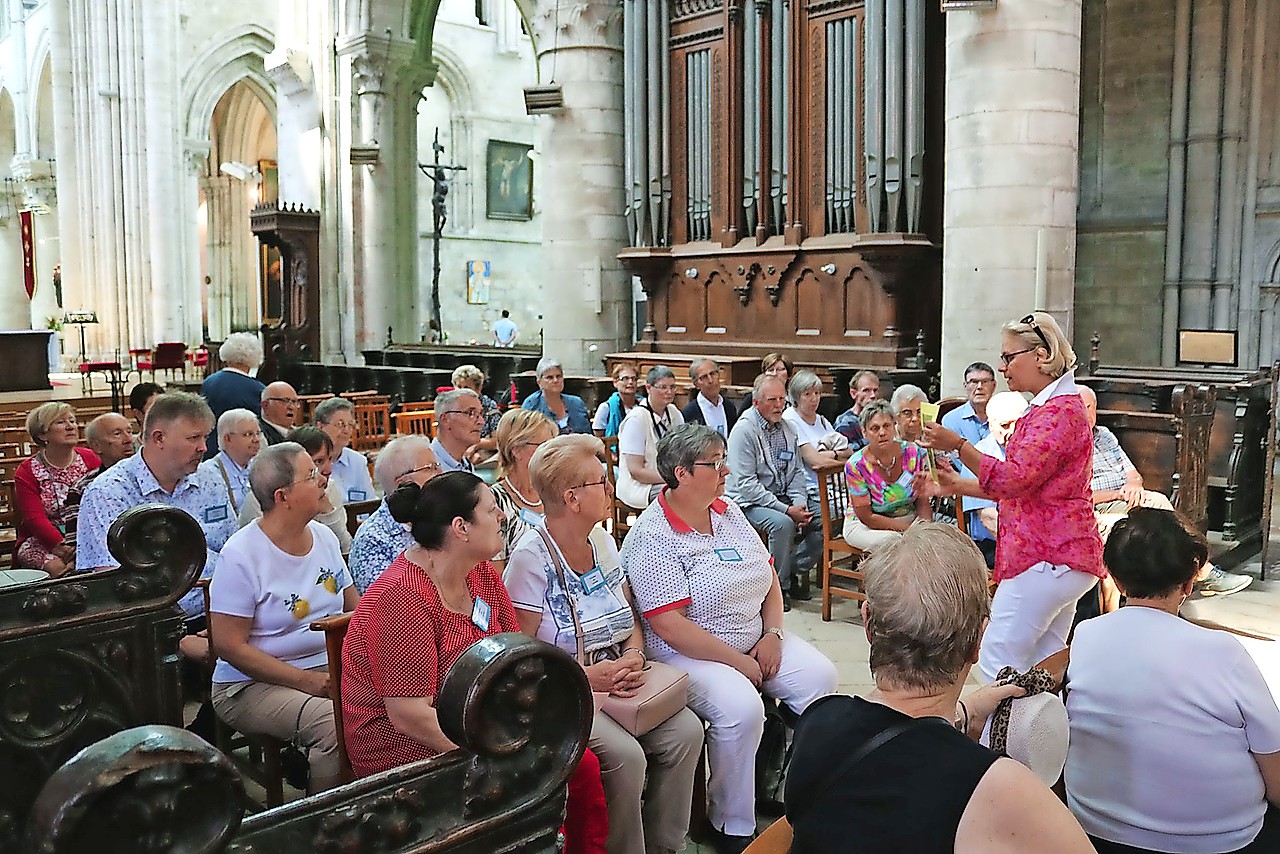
588	294
1012	141
15	311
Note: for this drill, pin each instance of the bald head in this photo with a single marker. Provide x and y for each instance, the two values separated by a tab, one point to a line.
280	404
110	437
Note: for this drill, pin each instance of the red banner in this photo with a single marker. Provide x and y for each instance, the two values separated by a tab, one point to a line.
28	254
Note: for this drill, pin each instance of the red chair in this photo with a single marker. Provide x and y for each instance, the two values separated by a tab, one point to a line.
168	356
200	359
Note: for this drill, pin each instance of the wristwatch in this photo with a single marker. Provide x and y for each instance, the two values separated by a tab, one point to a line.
774	631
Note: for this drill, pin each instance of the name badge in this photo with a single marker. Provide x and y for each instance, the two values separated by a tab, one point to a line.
355	495
729	555
480	614
530	518
720	430
593	580
786	456
215	514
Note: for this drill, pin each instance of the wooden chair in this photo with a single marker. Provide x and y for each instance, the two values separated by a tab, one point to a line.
335	632
372	425
263	764
949	403
417	406
421	422
8	522
833	498
358	511
306	406
622	512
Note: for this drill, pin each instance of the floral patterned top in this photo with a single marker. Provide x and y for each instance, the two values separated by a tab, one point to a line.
865	480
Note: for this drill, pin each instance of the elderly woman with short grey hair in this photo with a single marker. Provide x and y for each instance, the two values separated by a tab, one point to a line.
906	402
712	606
337	418
568	561
639	481
566	410
818	441
233	387
239	441
274	577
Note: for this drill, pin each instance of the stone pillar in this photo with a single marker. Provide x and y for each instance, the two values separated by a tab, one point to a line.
15	311
1012	141
588	294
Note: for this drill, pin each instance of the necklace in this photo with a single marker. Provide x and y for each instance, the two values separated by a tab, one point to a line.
885	468
526	502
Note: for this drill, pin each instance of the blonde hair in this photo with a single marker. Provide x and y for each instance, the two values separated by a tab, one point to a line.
517	426
926	601
1061	357
558	466
467	373
40	419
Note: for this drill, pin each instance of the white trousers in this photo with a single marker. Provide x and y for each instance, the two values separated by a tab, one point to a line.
734	711
861	537
1031	617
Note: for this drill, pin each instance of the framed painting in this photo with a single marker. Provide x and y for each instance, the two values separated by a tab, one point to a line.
478	282
508	181
269	189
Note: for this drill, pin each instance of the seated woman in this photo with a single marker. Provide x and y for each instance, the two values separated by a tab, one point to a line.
924	786
567	474
419	616
882	498
337	418
1175	737
638	477
609	414
332	515
274	578
566	410
811	427
472	378
906	412
519	434
40	486
712	607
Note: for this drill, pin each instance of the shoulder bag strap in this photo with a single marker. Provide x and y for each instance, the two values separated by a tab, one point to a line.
564	584
806	801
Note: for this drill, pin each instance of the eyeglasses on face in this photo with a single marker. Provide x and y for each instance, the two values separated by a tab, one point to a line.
287	401
600	482
628	378
249	434
343	425
313	476
1006	358
979	381
431	467
666	388
1030	320
470	413
719	465
706	376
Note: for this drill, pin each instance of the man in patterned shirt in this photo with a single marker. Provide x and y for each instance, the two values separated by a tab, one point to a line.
766	479
165	472
381	538
1117	489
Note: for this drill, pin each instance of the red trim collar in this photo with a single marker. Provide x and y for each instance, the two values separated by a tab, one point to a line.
673	519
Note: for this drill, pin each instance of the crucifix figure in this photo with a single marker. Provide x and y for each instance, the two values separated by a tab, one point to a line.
439	175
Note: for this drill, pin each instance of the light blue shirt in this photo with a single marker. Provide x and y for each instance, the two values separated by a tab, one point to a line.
351	471
379	541
237	477
966	422
128	483
978	531
448	463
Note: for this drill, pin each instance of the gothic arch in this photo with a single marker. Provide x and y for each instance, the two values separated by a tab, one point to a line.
453	76
237	57
415	19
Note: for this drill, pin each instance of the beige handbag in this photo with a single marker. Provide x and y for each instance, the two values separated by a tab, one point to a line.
665	690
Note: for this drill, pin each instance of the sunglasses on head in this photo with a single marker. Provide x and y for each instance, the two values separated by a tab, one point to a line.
1030	320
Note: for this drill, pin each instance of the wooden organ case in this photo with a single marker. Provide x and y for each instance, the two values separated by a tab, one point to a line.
783	163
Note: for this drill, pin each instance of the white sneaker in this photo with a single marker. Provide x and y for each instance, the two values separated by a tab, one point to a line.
1219	582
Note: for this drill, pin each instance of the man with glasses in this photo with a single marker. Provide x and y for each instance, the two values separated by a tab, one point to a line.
381	539
279	412
767	481
709	407
459	416
239	440
970	419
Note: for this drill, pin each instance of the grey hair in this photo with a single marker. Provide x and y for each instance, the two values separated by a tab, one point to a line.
326	410
761	379
904	394
97	426
241	349
229	420
693	366
391	463
174	406
681	448
547	363
658	373
448	402
803	381
272	469
926	602
879	406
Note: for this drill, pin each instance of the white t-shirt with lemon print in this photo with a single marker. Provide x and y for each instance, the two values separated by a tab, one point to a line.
281	593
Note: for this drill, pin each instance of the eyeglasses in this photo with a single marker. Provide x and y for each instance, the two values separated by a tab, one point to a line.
601	482
470	413
1006	358
343	425
312	477
663	388
433	467
249	434
627	378
1030	320
987	381
719	465
287	401
708	375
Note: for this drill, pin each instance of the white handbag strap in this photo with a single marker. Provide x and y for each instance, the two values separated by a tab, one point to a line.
564	584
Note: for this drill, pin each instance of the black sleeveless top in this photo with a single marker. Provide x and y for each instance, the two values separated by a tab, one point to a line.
906	796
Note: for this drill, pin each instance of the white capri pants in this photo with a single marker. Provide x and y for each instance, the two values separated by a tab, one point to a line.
866	539
732	708
1031	617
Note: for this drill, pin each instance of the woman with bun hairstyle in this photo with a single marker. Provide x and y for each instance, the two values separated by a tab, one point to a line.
435	600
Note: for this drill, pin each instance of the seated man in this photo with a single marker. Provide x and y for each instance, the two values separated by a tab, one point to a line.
1003	412
166	471
892	765
279	412
1117	488
140	399
970	418
864	387
766	479
709	406
381	538
111	438
239	440
459	416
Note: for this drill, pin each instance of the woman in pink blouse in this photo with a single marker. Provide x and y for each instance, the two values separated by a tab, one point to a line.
1048	554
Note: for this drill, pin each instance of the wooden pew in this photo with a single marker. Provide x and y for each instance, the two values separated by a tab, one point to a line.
85	656
520	709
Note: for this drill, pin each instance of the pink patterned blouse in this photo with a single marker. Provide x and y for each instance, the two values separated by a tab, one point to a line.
1046	508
